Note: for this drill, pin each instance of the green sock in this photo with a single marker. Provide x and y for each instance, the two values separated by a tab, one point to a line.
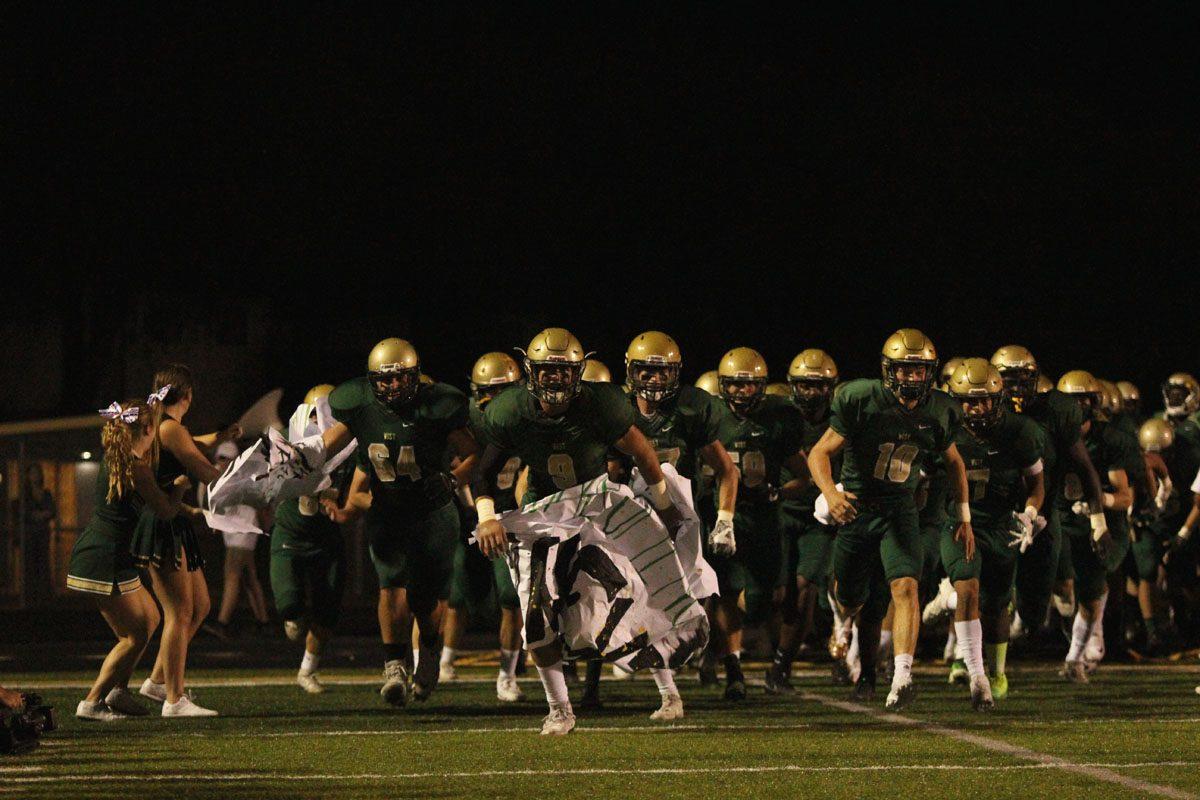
996	654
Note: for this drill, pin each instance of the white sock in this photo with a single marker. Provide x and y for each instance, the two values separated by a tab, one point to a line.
310	661
903	669
1081	631
416	658
951	648
664	679
885	642
970	634
508	661
852	651
555	685
960	645
447	656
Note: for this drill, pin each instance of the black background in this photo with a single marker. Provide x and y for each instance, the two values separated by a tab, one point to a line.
264	197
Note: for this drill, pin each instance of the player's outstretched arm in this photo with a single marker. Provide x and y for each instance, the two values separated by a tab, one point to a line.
490	535
335	438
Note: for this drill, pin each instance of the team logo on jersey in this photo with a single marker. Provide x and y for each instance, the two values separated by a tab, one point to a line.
389	436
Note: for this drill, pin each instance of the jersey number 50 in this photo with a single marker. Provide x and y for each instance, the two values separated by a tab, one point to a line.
406	463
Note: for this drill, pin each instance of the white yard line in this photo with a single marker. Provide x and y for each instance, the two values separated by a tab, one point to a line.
660	728
368	776
1100	772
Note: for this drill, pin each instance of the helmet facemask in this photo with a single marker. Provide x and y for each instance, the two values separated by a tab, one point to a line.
743	402
904	387
1179	400
1020	384
554	381
651	381
812	395
394	385
981	413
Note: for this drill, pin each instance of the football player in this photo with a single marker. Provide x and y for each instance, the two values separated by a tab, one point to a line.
308	567
1062	448
475	577
1131	401
807	542
890	428
683	425
1091	558
763	435
1003	456
404	428
1181	399
1156	438
563	429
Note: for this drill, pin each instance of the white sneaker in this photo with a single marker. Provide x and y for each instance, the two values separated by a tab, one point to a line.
559	722
619	674
155	691
396	687
184	707
942	604
295	629
839	637
97	711
508	690
900	696
308	682
981	694
447	672
122	701
1075	672
671	708
1093	654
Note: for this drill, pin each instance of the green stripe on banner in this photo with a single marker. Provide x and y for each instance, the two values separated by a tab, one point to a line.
623	528
681	611
666	586
667	554
678	600
648	549
612	512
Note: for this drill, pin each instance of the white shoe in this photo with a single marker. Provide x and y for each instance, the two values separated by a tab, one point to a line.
396	687
1016	628
97	711
981	694
839	637
1093	654
900	696
122	701
942	605
308	682
447	672
155	691
559	722
295	629
508	690
671	708
184	707
619	674
1075	672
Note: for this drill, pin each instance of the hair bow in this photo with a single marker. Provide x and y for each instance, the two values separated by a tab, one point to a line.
159	396
115	411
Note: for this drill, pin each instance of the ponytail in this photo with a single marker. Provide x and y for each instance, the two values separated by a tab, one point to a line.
117	438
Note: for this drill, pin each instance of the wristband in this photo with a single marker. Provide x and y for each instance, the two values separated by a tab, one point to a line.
964	512
725	516
1031	512
485	507
1099	523
659	495
1107	500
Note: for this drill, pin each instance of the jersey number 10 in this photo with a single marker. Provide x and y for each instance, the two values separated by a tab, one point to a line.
895	463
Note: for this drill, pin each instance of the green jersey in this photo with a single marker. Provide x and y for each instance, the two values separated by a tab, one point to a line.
888	445
1060	418
996	466
506	482
561	451
1110	450
759	444
681	426
398	449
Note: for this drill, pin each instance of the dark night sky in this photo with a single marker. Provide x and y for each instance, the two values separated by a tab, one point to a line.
304	185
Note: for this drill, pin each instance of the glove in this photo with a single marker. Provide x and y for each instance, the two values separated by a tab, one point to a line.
1165	490
1023	528
720	539
1081	507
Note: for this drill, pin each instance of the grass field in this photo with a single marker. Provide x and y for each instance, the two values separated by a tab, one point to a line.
1135	731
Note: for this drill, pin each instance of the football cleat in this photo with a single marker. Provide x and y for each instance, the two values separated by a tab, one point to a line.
1074	671
184	707
559	722
942	605
122	701
864	689
735	691
958	673
447	673
901	696
671	708
425	676
309	682
951	646
707	672
155	691
777	681
981	694
999	686
396	687
1093	654
1016	628
97	712
840	673
508	690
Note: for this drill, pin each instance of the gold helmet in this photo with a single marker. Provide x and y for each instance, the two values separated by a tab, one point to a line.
1156	435
947	371
493	373
1110	399
1181	395
975	380
710	383
394	369
1019	369
779	390
317	392
426	380
1044	383
812	376
595	372
908	347
1085	388
1131	398
652	365
554	366
742	367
